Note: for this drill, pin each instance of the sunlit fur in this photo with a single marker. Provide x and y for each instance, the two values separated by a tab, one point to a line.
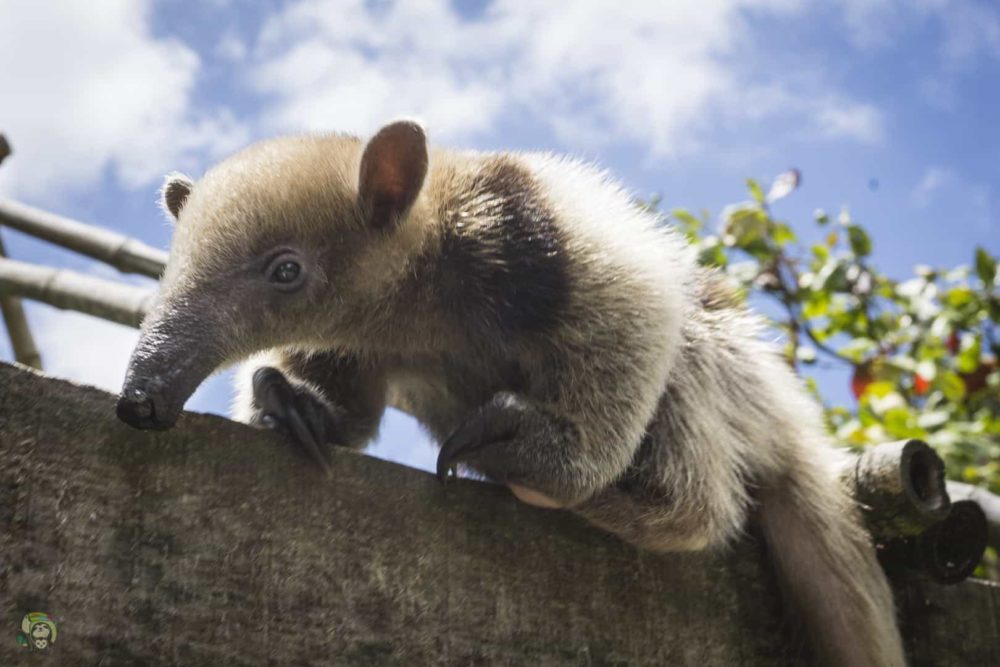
687	426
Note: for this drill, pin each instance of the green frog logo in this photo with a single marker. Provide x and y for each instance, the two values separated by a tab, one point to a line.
38	631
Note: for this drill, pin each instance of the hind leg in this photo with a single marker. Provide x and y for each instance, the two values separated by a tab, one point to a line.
663	521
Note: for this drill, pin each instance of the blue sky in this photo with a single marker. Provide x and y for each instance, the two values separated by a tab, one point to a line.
684	99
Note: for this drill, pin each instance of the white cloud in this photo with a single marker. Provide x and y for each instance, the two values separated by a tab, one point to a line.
337	64
967	32
970	29
967	200
655	74
86	86
873	23
845	119
231	48
82	348
933	180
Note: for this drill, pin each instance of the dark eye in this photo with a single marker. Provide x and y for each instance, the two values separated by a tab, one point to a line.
286	272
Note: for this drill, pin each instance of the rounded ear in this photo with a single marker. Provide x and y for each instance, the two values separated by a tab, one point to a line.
175	191
393	168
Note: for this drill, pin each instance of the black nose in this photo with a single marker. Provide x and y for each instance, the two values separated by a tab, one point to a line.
138	409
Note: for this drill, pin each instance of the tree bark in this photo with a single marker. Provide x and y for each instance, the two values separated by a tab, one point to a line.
214	544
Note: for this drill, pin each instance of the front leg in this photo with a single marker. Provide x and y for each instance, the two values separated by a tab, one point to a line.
320	400
308	419
537	454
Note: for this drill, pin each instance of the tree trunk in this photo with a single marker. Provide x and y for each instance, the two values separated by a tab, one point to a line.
214	544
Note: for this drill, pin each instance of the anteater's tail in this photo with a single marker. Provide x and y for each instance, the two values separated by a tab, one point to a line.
828	571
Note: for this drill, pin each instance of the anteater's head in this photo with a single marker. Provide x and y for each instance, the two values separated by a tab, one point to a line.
272	248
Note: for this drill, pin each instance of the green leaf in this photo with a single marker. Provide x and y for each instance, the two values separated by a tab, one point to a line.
817	305
880	389
712	254
861	243
957	297
782	234
746	224
986	267
967	360
690	224
951	385
858	349
755	191
899	422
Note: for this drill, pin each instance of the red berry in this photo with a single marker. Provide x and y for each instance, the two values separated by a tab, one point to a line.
860	381
976	380
953	342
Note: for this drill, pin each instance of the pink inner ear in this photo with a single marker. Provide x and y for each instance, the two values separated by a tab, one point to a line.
393	168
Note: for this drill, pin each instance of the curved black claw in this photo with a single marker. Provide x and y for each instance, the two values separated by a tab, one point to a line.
280	405
486	428
462	439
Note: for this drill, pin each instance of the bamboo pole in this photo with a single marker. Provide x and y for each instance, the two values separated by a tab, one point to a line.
123	253
21	341
899	486
948	552
989	502
70	290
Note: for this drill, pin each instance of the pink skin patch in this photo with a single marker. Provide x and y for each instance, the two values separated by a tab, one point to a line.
532	497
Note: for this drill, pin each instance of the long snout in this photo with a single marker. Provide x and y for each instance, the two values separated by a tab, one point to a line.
144	408
177	350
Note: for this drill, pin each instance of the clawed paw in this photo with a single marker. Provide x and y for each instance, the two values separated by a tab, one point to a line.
486	429
299	413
